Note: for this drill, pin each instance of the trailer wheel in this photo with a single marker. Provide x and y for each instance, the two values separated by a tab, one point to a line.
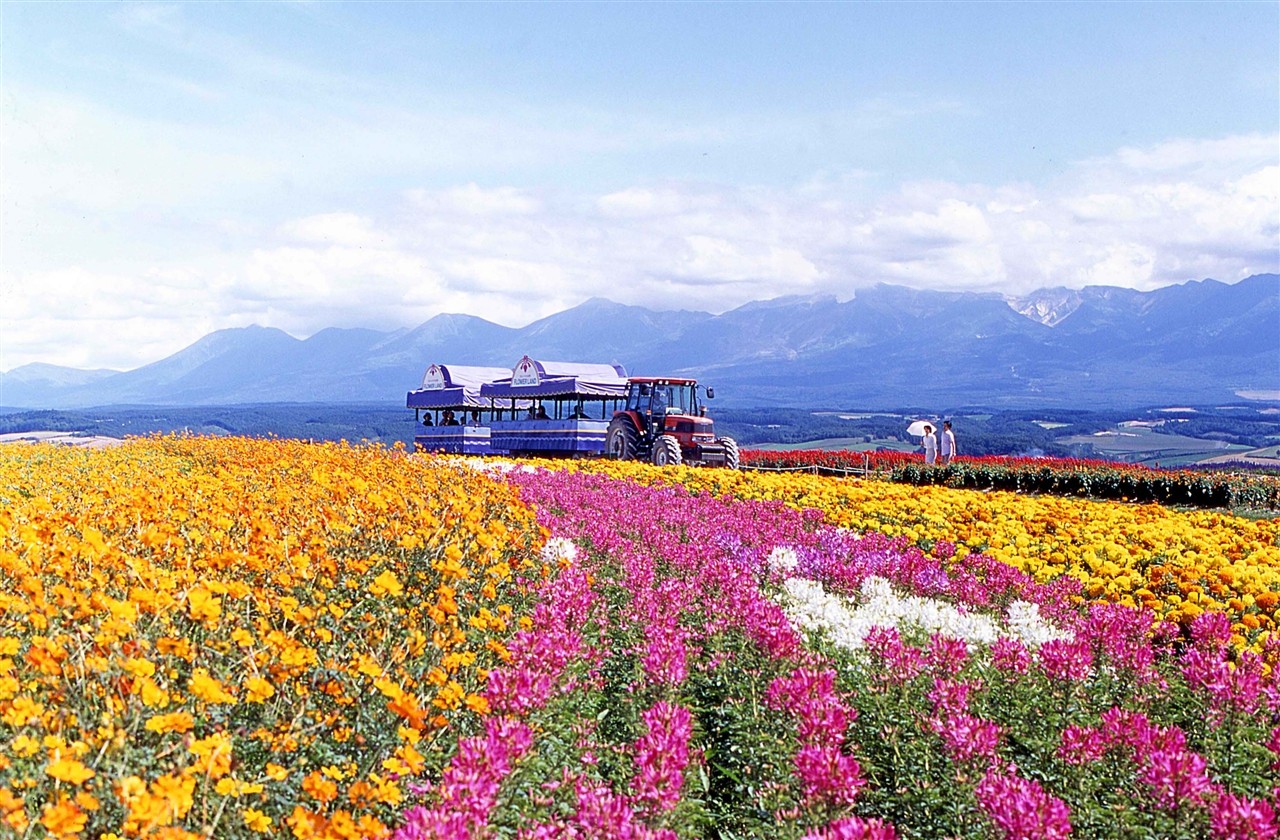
666	452
621	442
731	455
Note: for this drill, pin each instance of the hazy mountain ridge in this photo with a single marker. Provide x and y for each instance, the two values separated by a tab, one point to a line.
1201	341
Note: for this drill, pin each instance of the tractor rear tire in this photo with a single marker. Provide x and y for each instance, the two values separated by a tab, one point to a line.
666	452
731	454
622	441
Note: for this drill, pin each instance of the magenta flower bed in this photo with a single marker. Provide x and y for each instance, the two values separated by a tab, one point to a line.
710	667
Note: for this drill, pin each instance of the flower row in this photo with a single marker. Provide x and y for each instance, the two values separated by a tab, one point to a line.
1178	564
231	637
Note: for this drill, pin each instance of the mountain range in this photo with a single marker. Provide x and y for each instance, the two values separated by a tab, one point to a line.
1201	342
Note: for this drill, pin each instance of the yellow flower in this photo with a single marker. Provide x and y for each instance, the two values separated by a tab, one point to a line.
208	689
259	690
69	770
63	818
175	722
255	820
386	584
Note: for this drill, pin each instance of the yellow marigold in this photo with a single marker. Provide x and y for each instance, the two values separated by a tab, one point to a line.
319	788
407	761
24	711
153	696
139	667
203	605
214	753
24	746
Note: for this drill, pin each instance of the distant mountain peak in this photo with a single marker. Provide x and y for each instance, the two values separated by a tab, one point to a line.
1047	306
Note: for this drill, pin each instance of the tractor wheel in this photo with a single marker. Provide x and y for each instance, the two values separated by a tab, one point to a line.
666	452
731	456
622	441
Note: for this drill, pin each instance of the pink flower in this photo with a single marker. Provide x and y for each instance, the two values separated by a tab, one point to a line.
902	662
662	754
1242	818
946	654
950	697
1082	745
1176	778
828	774
1211	630
1010	655
1066	660
854	828
1021	810
967	738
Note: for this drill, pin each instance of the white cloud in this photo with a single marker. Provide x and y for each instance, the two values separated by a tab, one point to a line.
512	254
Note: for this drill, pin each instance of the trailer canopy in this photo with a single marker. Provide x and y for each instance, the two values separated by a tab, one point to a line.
535	379
454	386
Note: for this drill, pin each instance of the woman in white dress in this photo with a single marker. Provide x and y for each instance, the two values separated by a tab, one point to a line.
930	446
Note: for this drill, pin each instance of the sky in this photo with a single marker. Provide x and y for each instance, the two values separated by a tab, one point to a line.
171	169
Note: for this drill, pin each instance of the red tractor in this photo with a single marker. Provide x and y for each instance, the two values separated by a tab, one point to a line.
664	423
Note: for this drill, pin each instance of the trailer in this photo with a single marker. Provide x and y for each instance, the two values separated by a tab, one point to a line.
449	410
569	407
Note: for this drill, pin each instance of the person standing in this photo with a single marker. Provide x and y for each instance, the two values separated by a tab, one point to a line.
930	445
948	442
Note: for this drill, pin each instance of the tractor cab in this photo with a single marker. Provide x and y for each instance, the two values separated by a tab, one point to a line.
665	422
654	400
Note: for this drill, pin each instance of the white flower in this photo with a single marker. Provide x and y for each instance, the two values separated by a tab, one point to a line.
811	608
557	549
1025	622
783	559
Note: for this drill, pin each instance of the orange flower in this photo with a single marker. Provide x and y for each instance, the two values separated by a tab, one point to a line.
69	770
175	722
63	818
319	788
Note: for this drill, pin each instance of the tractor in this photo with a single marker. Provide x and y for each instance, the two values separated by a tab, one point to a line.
665	423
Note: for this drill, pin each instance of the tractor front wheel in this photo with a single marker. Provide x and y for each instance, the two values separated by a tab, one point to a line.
666	452
622	441
731	455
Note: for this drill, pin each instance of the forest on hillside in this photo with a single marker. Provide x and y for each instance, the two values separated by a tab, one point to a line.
981	431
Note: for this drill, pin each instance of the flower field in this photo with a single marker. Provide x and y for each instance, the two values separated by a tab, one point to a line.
228	638
233	638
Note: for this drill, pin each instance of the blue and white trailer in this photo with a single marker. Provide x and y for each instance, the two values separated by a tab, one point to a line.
450	411
569	406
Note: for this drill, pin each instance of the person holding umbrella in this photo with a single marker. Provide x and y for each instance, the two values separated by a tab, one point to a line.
930	445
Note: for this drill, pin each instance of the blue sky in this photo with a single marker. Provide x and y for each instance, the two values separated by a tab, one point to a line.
171	169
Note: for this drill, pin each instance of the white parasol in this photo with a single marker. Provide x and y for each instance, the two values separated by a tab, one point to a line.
917	428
